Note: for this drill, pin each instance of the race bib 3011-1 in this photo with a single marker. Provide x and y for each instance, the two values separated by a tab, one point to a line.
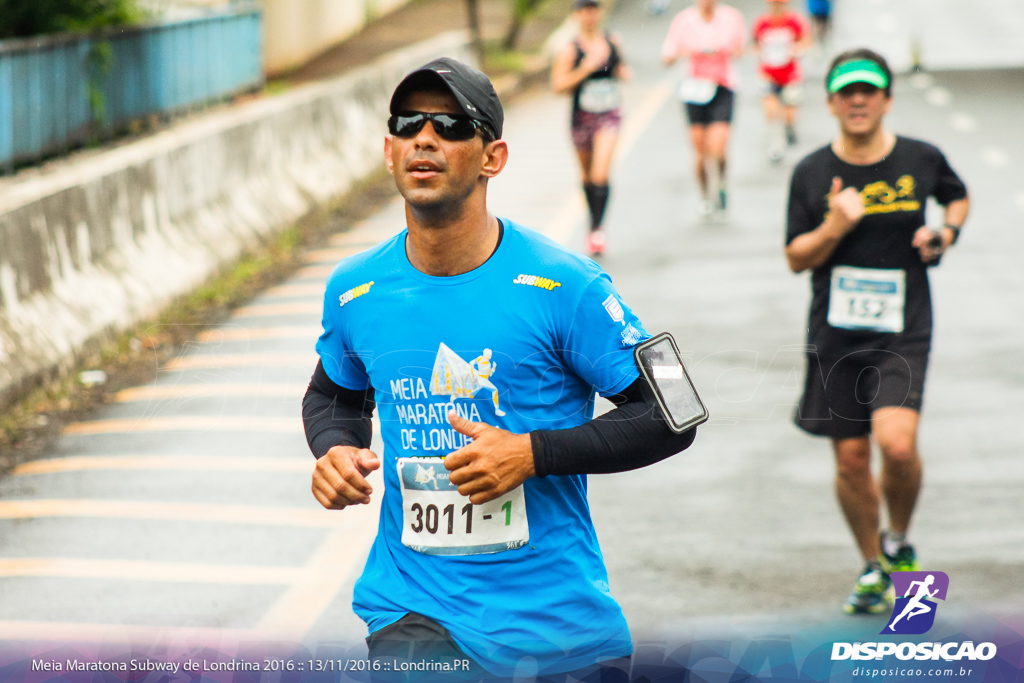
438	520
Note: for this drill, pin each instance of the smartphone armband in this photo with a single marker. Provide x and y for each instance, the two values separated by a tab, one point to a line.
666	384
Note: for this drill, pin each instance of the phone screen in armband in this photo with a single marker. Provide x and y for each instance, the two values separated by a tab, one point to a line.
668	384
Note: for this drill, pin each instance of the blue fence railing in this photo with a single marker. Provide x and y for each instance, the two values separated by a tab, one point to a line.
58	91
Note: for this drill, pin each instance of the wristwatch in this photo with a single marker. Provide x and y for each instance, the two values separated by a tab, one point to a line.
956	231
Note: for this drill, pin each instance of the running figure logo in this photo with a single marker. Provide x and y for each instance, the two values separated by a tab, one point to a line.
426	475
459	379
914	612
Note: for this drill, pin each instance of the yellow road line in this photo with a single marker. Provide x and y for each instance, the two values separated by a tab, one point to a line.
162	392
567	218
312	289
298	609
65	632
311	332
373	230
189	423
167	511
78	463
364	235
311	588
218	361
332	254
318	272
144	570
641	118
297	308
572	211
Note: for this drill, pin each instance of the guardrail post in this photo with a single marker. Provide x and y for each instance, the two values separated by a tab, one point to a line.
6	114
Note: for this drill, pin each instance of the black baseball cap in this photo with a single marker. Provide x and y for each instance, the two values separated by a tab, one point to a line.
581	4
471	89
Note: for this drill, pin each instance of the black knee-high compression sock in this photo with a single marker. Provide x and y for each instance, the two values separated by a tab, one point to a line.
588	190
598	204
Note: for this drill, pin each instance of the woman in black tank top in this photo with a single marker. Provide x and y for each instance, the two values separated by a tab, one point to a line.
605	72
590	69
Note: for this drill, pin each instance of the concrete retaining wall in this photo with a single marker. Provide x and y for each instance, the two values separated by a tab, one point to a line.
107	240
295	31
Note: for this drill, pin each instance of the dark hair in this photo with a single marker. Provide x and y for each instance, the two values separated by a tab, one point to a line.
861	53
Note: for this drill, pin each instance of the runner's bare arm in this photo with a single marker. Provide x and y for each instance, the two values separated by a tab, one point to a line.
956	214
806	40
565	77
672	48
812	249
622	71
803	45
670	58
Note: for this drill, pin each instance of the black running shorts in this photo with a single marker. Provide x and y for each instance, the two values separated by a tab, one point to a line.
841	395
717	110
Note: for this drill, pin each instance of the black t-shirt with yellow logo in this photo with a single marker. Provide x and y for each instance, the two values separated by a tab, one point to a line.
894	191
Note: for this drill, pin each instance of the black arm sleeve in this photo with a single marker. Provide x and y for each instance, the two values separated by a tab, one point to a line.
334	415
633	435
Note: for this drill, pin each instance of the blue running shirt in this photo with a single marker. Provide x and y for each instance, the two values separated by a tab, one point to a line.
522	343
819	8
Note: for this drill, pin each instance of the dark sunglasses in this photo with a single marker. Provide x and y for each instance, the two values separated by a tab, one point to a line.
448	126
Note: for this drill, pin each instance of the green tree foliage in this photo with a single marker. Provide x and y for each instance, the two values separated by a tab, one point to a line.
22	18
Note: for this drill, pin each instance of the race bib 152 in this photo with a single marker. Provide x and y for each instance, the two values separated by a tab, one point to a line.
867	299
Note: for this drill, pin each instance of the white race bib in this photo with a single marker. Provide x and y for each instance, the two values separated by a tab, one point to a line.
697	90
867	299
777	46
437	520
791	95
776	52
599	95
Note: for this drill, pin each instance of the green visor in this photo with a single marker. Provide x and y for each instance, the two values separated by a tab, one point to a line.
858	71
